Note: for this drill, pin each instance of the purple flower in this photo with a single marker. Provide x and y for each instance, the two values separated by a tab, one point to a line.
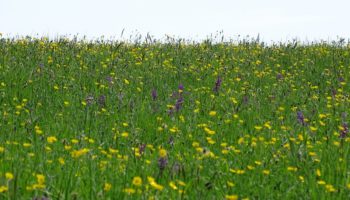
142	148
279	76
162	163
344	131
217	84
154	94
245	99
301	118
102	100
179	103
181	87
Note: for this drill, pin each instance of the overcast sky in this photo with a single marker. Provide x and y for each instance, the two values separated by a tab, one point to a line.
277	20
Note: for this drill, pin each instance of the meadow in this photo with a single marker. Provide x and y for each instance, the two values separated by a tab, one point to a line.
177	120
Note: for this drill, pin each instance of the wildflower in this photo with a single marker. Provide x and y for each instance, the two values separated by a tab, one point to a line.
3	188
217	84
313	129
51	139
210	132
66	103
172	185
257	162
344	130
38	130
79	153
294	169
125	134
40	178
318	172
75	141
301	178
300	118
162	153
102	101
40	182
9	176
231	197
154	184
212	113
179	103
162	163
154	94
266	172
279	76
330	188
137	181
230	184
129	190
181	88
61	161
107	187
321	182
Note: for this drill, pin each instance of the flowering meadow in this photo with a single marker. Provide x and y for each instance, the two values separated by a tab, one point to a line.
178	120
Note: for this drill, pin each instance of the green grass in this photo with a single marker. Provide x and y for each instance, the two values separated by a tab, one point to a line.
78	120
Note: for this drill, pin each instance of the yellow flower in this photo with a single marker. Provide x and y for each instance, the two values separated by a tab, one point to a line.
266	172
129	190
230	184
301	178
9	176
40	178
330	188
126	81
172	185
137	181
3	188
162	153
61	161
294	169
2	149
125	134
231	197
78	153
74	141
107	187
51	139
321	182
313	129
318	172
322	116
210	132
154	184
38	131
212	113
66	103
257	162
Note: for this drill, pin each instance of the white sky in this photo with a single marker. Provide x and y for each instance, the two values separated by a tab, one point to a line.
277	20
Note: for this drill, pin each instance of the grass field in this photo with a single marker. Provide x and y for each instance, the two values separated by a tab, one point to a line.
114	120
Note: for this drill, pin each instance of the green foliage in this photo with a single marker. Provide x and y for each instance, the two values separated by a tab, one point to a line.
114	120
